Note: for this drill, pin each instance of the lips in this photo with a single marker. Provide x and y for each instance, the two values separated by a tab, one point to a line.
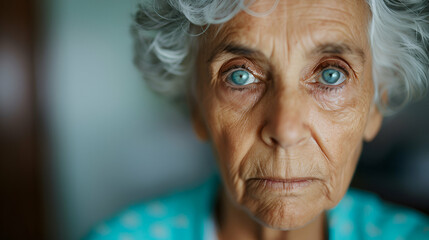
281	184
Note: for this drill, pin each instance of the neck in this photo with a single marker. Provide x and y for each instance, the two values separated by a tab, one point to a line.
234	223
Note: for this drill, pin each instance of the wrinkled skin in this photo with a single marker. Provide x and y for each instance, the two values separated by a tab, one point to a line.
287	124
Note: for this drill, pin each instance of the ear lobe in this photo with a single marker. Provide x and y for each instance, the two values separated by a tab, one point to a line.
373	124
198	124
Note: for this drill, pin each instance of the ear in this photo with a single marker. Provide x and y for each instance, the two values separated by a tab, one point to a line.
373	124
198	123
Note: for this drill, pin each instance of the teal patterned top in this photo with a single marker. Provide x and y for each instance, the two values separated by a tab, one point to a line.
188	215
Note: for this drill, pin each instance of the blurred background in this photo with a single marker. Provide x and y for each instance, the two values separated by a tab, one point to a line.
81	137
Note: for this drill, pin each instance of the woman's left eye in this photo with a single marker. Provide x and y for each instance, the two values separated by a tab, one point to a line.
241	78
331	76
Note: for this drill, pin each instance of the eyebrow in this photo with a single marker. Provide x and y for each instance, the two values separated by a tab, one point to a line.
327	48
235	49
338	49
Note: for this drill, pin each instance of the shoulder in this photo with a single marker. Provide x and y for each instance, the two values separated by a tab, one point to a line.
365	216
179	215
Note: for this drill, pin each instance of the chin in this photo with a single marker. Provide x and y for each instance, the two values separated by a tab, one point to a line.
282	214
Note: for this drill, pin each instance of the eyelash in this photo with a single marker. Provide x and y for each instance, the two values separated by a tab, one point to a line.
330	88
243	66
316	86
237	67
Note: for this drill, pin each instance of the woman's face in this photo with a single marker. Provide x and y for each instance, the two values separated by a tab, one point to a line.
286	101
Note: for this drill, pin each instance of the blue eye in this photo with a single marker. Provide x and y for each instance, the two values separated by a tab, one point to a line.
331	76
241	77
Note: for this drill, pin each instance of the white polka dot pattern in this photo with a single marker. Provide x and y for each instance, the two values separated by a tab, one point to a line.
156	209
130	220
159	231
372	230
181	221
126	236
347	228
102	229
399	218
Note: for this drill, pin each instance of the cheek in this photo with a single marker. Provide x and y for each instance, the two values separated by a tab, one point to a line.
233	123
353	96
231	118
229	126
339	122
239	101
233	136
343	113
338	101
227	116
339	135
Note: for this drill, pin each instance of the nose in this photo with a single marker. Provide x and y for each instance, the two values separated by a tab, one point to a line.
286	121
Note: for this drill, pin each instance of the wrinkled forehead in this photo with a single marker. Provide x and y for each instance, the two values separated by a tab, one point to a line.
299	26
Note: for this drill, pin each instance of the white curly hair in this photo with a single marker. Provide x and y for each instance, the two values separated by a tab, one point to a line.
166	33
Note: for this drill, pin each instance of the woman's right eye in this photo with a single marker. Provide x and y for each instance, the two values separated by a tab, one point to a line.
332	77
241	78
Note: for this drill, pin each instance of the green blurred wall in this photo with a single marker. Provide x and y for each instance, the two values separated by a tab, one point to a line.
111	141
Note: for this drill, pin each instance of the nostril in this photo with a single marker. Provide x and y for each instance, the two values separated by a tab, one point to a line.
284	136
274	141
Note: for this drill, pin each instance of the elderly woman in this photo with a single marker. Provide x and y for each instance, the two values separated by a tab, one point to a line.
286	92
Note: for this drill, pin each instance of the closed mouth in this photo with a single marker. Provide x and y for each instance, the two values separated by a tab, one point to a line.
283	180
281	184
